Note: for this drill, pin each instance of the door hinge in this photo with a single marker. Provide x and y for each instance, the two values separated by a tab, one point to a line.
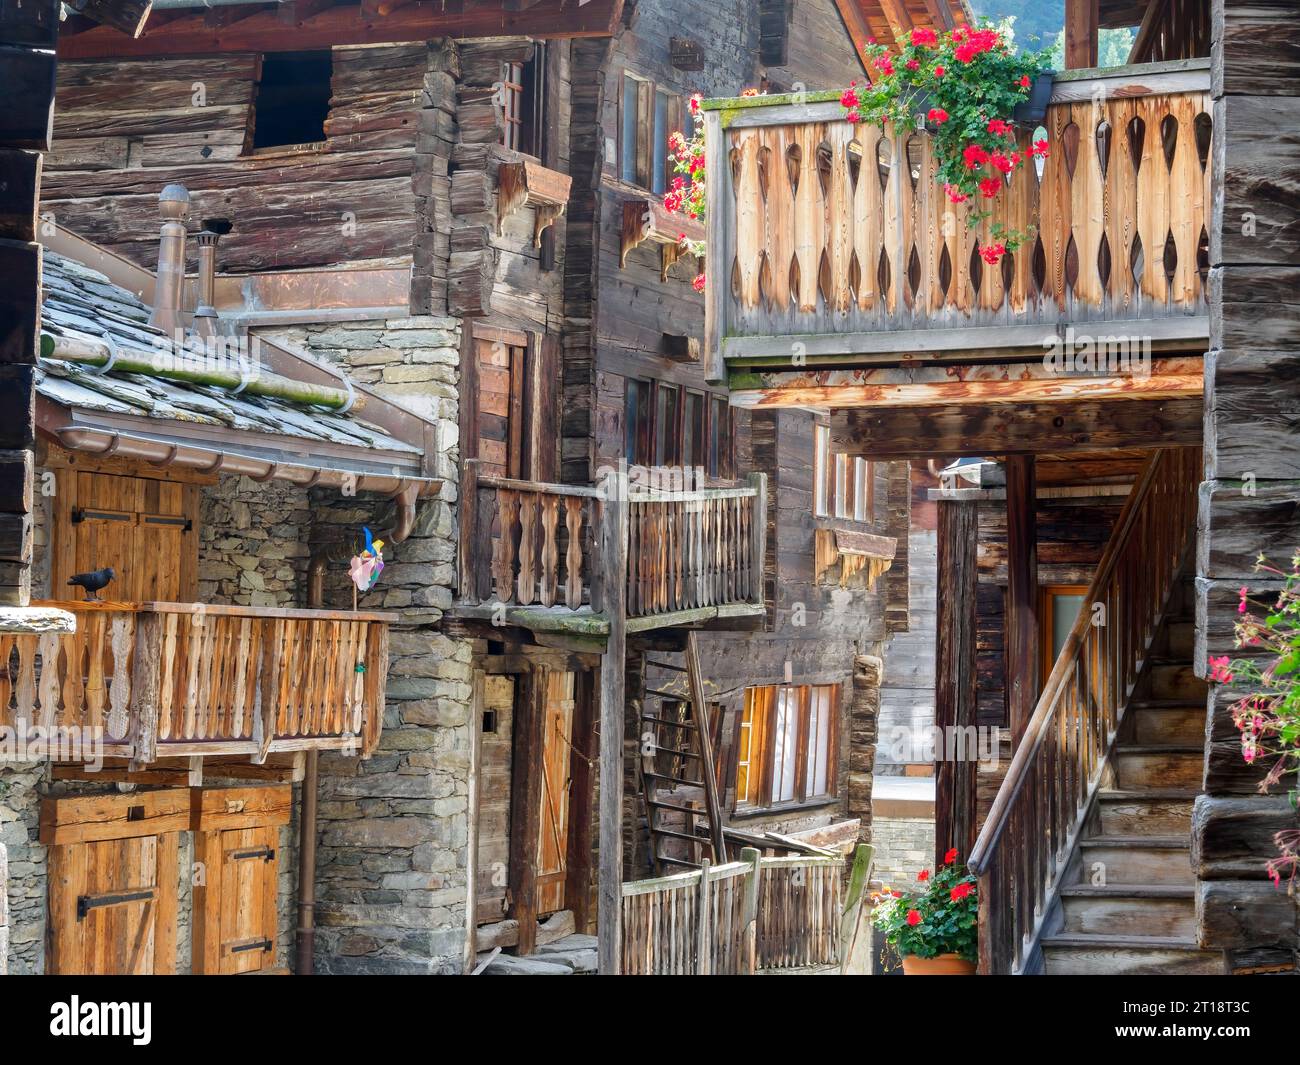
265	853
86	903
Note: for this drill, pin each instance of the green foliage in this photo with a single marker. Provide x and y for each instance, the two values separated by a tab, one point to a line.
940	918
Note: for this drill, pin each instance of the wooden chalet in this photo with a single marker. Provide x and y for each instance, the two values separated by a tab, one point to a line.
1084	567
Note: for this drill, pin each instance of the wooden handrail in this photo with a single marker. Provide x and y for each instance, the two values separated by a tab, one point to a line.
1045	797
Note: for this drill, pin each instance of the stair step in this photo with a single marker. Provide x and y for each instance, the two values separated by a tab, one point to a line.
1181	638
1135	860
1085	954
1133	813
1161	910
1175	681
1159	765
1183	725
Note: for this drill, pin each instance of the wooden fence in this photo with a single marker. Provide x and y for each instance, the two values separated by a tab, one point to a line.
185	679
823	228
757	914
529	544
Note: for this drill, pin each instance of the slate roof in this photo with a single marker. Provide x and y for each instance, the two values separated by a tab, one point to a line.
83	303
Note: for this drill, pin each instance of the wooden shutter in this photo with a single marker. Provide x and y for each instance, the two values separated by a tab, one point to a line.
144	528
237	843
113	882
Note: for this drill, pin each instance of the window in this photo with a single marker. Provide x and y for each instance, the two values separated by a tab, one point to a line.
1059	608
842	485
293	99
523	97
648	117
777	724
666	425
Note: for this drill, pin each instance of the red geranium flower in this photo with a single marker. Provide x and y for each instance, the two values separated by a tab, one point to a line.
989	187
924	38
913	917
975	156
1039	148
937	115
951	856
999	127
912	64
923	875
849	98
1024	81
960	891
992	253
938	72
1002	163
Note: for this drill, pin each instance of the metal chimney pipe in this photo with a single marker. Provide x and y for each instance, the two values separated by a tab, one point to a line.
205	314
173	205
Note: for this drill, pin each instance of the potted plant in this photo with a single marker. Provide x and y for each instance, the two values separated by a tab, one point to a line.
963	88
935	928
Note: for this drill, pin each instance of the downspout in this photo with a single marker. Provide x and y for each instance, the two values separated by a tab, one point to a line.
403	523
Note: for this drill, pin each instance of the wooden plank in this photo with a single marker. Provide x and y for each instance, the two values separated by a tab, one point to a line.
526	804
220	809
1022	593
100	817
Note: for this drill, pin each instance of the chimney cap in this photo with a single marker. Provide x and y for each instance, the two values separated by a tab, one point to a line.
174	201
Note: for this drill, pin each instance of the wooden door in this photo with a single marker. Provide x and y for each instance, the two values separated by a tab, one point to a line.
146	529
113	907
235	917
553	837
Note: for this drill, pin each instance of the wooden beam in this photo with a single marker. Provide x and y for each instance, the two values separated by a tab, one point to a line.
1016	428
925	386
613	557
347	25
129	16
955	673
1022	593
577	883
1081	20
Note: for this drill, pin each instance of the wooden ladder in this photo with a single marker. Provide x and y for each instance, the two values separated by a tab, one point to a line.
677	752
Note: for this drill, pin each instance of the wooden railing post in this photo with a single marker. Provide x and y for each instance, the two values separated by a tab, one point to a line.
749	911
469	548
144	687
758	537
704	923
855	926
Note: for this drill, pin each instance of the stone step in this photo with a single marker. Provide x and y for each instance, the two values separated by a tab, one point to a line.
1164	910
1175	680
1134	860
1156	812
509	965
1181	725
1140	766
1081	954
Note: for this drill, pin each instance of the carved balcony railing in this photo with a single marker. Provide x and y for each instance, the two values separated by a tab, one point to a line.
837	240
530	549
187	679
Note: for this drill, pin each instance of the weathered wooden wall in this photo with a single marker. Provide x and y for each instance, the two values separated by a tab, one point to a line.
1250	502
126	128
27	36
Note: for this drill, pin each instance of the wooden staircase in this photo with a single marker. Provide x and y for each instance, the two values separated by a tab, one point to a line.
1126	904
1088	837
678	781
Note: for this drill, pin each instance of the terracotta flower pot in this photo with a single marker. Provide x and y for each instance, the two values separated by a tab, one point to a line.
943	965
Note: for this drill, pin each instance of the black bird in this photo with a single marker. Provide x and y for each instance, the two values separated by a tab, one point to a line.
93	582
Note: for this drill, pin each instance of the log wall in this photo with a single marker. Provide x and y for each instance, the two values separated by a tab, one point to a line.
1250	502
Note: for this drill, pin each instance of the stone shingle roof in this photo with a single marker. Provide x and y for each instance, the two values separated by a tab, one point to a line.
82	303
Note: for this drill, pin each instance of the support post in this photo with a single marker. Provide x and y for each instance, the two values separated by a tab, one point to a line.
855	927
749	915
613	566
1022	593
954	688
529	728
704	923
1081	23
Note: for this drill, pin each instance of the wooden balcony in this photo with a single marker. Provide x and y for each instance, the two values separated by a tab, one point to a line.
166	680
529	554
832	245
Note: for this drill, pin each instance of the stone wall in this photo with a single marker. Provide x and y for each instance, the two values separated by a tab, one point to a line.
253	543
391	866
904	846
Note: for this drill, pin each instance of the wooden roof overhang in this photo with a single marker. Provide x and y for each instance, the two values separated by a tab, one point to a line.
294	25
889	21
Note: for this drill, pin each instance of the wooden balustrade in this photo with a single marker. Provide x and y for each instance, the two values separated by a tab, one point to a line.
826	232
1045	798
688	550
186	679
528	544
734	919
